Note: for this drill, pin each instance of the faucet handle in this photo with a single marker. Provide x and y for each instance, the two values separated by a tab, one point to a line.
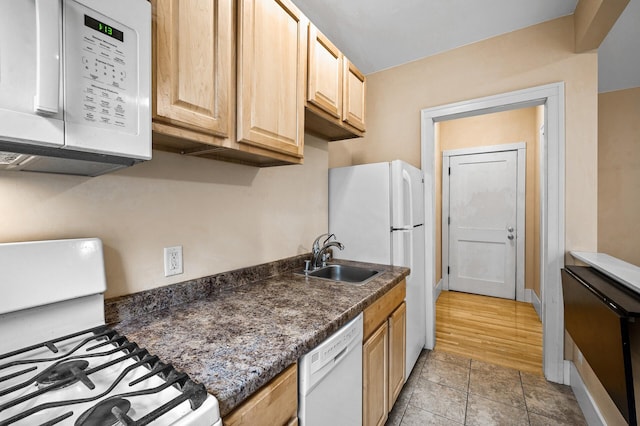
329	238
326	257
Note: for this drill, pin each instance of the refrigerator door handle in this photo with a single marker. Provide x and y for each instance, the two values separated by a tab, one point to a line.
408	202
403	248
410	250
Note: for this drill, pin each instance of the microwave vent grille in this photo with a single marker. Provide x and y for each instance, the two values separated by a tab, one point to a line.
10	158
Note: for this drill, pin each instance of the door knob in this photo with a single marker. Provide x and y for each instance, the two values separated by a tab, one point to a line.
510	236
510	229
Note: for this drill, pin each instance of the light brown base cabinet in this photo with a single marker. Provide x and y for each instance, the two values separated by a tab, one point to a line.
275	404
383	355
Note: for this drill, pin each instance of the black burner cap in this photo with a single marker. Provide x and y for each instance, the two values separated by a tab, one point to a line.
101	415
61	372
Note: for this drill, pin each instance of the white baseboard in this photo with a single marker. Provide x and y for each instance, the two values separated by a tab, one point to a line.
437	290
588	406
530	296
567	372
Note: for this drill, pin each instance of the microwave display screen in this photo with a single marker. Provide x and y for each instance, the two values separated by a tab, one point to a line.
103	28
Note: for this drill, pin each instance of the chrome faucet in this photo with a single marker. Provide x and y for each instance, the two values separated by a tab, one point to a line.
318	253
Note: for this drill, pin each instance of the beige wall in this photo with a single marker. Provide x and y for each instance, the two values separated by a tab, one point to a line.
530	57
224	215
495	129
534	56
618	225
618	207
619	174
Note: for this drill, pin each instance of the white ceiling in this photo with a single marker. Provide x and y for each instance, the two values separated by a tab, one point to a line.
380	34
619	53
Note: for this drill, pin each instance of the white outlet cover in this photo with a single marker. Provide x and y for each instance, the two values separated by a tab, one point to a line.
173	261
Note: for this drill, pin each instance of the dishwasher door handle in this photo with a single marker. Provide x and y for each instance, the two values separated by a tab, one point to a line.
340	355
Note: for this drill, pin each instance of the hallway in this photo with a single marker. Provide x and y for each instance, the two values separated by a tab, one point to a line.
489	329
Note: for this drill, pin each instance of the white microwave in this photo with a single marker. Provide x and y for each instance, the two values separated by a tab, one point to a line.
75	84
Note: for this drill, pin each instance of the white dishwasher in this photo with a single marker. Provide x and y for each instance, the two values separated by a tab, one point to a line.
330	379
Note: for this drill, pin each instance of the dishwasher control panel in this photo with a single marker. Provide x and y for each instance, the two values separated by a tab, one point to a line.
330	350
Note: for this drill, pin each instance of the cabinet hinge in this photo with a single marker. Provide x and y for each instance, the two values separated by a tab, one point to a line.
449	220
448	270
449	171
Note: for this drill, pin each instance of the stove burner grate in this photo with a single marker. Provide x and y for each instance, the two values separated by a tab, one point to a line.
71	370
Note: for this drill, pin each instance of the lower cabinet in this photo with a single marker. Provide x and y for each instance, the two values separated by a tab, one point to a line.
397	324
375	377
383	355
275	404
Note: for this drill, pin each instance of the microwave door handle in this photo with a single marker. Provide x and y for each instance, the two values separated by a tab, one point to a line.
48	56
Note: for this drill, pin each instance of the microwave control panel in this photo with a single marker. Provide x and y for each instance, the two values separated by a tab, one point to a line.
101	75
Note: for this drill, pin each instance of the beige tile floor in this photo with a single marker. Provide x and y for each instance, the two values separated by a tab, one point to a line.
447	389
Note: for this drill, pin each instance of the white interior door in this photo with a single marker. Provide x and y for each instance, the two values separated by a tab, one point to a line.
483	223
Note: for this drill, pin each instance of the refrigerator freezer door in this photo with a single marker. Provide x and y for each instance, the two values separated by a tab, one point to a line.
407	188
359	212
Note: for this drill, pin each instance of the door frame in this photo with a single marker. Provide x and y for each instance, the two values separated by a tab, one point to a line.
520	148
552	220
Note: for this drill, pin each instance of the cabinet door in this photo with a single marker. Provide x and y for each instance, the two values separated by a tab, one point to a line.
397	351
272	52
274	404
324	88
193	44
353	104
374	378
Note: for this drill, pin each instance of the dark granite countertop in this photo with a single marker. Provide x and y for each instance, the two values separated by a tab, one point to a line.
237	338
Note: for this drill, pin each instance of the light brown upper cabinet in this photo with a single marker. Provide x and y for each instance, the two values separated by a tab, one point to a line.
324	87
195	46
193	75
272	58
193	65
335	103
353	100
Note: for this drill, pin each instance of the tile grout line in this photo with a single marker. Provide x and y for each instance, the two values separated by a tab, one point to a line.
524	397
466	408
413	388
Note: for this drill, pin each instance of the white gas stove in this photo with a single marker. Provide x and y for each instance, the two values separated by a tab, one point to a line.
59	363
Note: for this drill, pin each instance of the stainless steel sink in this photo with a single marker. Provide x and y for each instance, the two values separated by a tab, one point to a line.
344	273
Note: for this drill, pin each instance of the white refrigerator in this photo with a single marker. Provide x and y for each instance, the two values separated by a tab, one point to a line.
377	212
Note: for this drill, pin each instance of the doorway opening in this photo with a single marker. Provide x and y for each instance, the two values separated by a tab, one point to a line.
551	184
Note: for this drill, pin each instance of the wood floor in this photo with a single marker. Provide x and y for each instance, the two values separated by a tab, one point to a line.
489	329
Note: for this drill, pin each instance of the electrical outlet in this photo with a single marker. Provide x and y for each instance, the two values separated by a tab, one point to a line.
172	261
